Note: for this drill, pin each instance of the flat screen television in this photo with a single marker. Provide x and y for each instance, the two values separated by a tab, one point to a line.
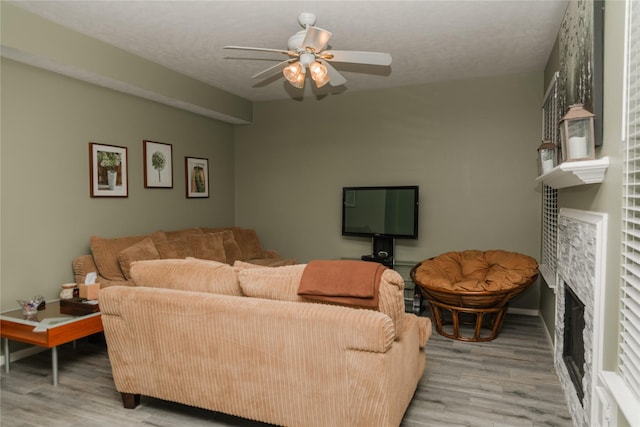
390	211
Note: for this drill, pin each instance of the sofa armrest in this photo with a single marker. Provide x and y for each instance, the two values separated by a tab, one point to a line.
271	254
84	264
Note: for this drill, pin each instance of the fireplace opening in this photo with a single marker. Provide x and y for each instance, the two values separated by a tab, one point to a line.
573	350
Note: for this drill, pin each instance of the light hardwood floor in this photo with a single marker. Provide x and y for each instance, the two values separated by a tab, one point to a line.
507	382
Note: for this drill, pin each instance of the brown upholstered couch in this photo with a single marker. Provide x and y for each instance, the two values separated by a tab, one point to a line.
111	257
239	340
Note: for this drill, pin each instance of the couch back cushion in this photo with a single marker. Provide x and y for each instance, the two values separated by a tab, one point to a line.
282	283
276	283
232	250
207	246
174	249
180	234
105	252
143	250
248	242
188	274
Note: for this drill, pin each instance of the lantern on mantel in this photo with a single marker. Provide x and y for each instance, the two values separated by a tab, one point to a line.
547	157
577	135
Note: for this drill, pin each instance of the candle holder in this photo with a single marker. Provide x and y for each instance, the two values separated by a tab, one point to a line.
576	134
547	157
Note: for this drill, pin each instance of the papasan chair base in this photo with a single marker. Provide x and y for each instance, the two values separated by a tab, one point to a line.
469	292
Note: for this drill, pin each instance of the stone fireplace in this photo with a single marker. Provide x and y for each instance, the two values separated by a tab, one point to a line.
579	298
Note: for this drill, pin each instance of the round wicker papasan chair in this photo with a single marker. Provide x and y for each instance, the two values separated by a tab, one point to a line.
470	291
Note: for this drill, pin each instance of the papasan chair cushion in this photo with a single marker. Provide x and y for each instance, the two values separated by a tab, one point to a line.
476	271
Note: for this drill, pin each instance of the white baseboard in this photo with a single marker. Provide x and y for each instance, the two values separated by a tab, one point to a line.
21	354
550	339
523	311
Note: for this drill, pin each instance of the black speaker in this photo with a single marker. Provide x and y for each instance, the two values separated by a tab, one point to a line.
383	247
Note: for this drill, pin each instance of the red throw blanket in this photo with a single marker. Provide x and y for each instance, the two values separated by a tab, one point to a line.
353	283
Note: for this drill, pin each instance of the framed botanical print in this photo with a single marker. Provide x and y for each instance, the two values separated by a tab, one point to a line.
197	177
158	164
108	170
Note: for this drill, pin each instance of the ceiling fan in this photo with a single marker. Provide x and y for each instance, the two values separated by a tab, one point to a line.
306	49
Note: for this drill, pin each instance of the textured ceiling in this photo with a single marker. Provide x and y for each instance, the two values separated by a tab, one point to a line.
428	40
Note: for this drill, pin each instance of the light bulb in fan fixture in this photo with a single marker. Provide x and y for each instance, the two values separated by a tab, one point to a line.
293	71
299	81
319	73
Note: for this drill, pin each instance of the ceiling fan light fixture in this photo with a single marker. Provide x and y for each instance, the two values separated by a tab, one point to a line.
319	74
299	81
320	83
293	71
318	71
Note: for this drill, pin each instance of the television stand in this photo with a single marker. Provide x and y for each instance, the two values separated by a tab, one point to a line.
387	262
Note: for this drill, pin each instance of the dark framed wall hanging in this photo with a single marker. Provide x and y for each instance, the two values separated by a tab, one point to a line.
581	44
197	177
108	168
158	164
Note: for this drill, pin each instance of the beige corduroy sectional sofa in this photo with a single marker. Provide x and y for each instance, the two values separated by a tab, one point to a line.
240	340
111	257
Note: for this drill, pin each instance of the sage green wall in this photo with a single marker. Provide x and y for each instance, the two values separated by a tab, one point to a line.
33	40
607	196
470	145
47	215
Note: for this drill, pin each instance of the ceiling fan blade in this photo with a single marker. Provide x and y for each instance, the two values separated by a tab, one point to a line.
262	49
354	57
316	39
273	69
335	78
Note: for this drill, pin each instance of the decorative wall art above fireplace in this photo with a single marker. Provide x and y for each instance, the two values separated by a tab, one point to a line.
581	42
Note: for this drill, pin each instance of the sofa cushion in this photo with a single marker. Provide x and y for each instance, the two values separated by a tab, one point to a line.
271	262
189	274
174	249
243	264
180	234
231	248
248	242
207	246
476	271
143	250
105	254
282	283
276	283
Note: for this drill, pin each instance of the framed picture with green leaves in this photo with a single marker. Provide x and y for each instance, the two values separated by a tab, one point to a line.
158	164
197	177
108	170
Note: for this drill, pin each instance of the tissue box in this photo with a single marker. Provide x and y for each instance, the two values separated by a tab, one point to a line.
89	291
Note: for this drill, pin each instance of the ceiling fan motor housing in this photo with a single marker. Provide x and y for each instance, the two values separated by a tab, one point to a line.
306	18
295	41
